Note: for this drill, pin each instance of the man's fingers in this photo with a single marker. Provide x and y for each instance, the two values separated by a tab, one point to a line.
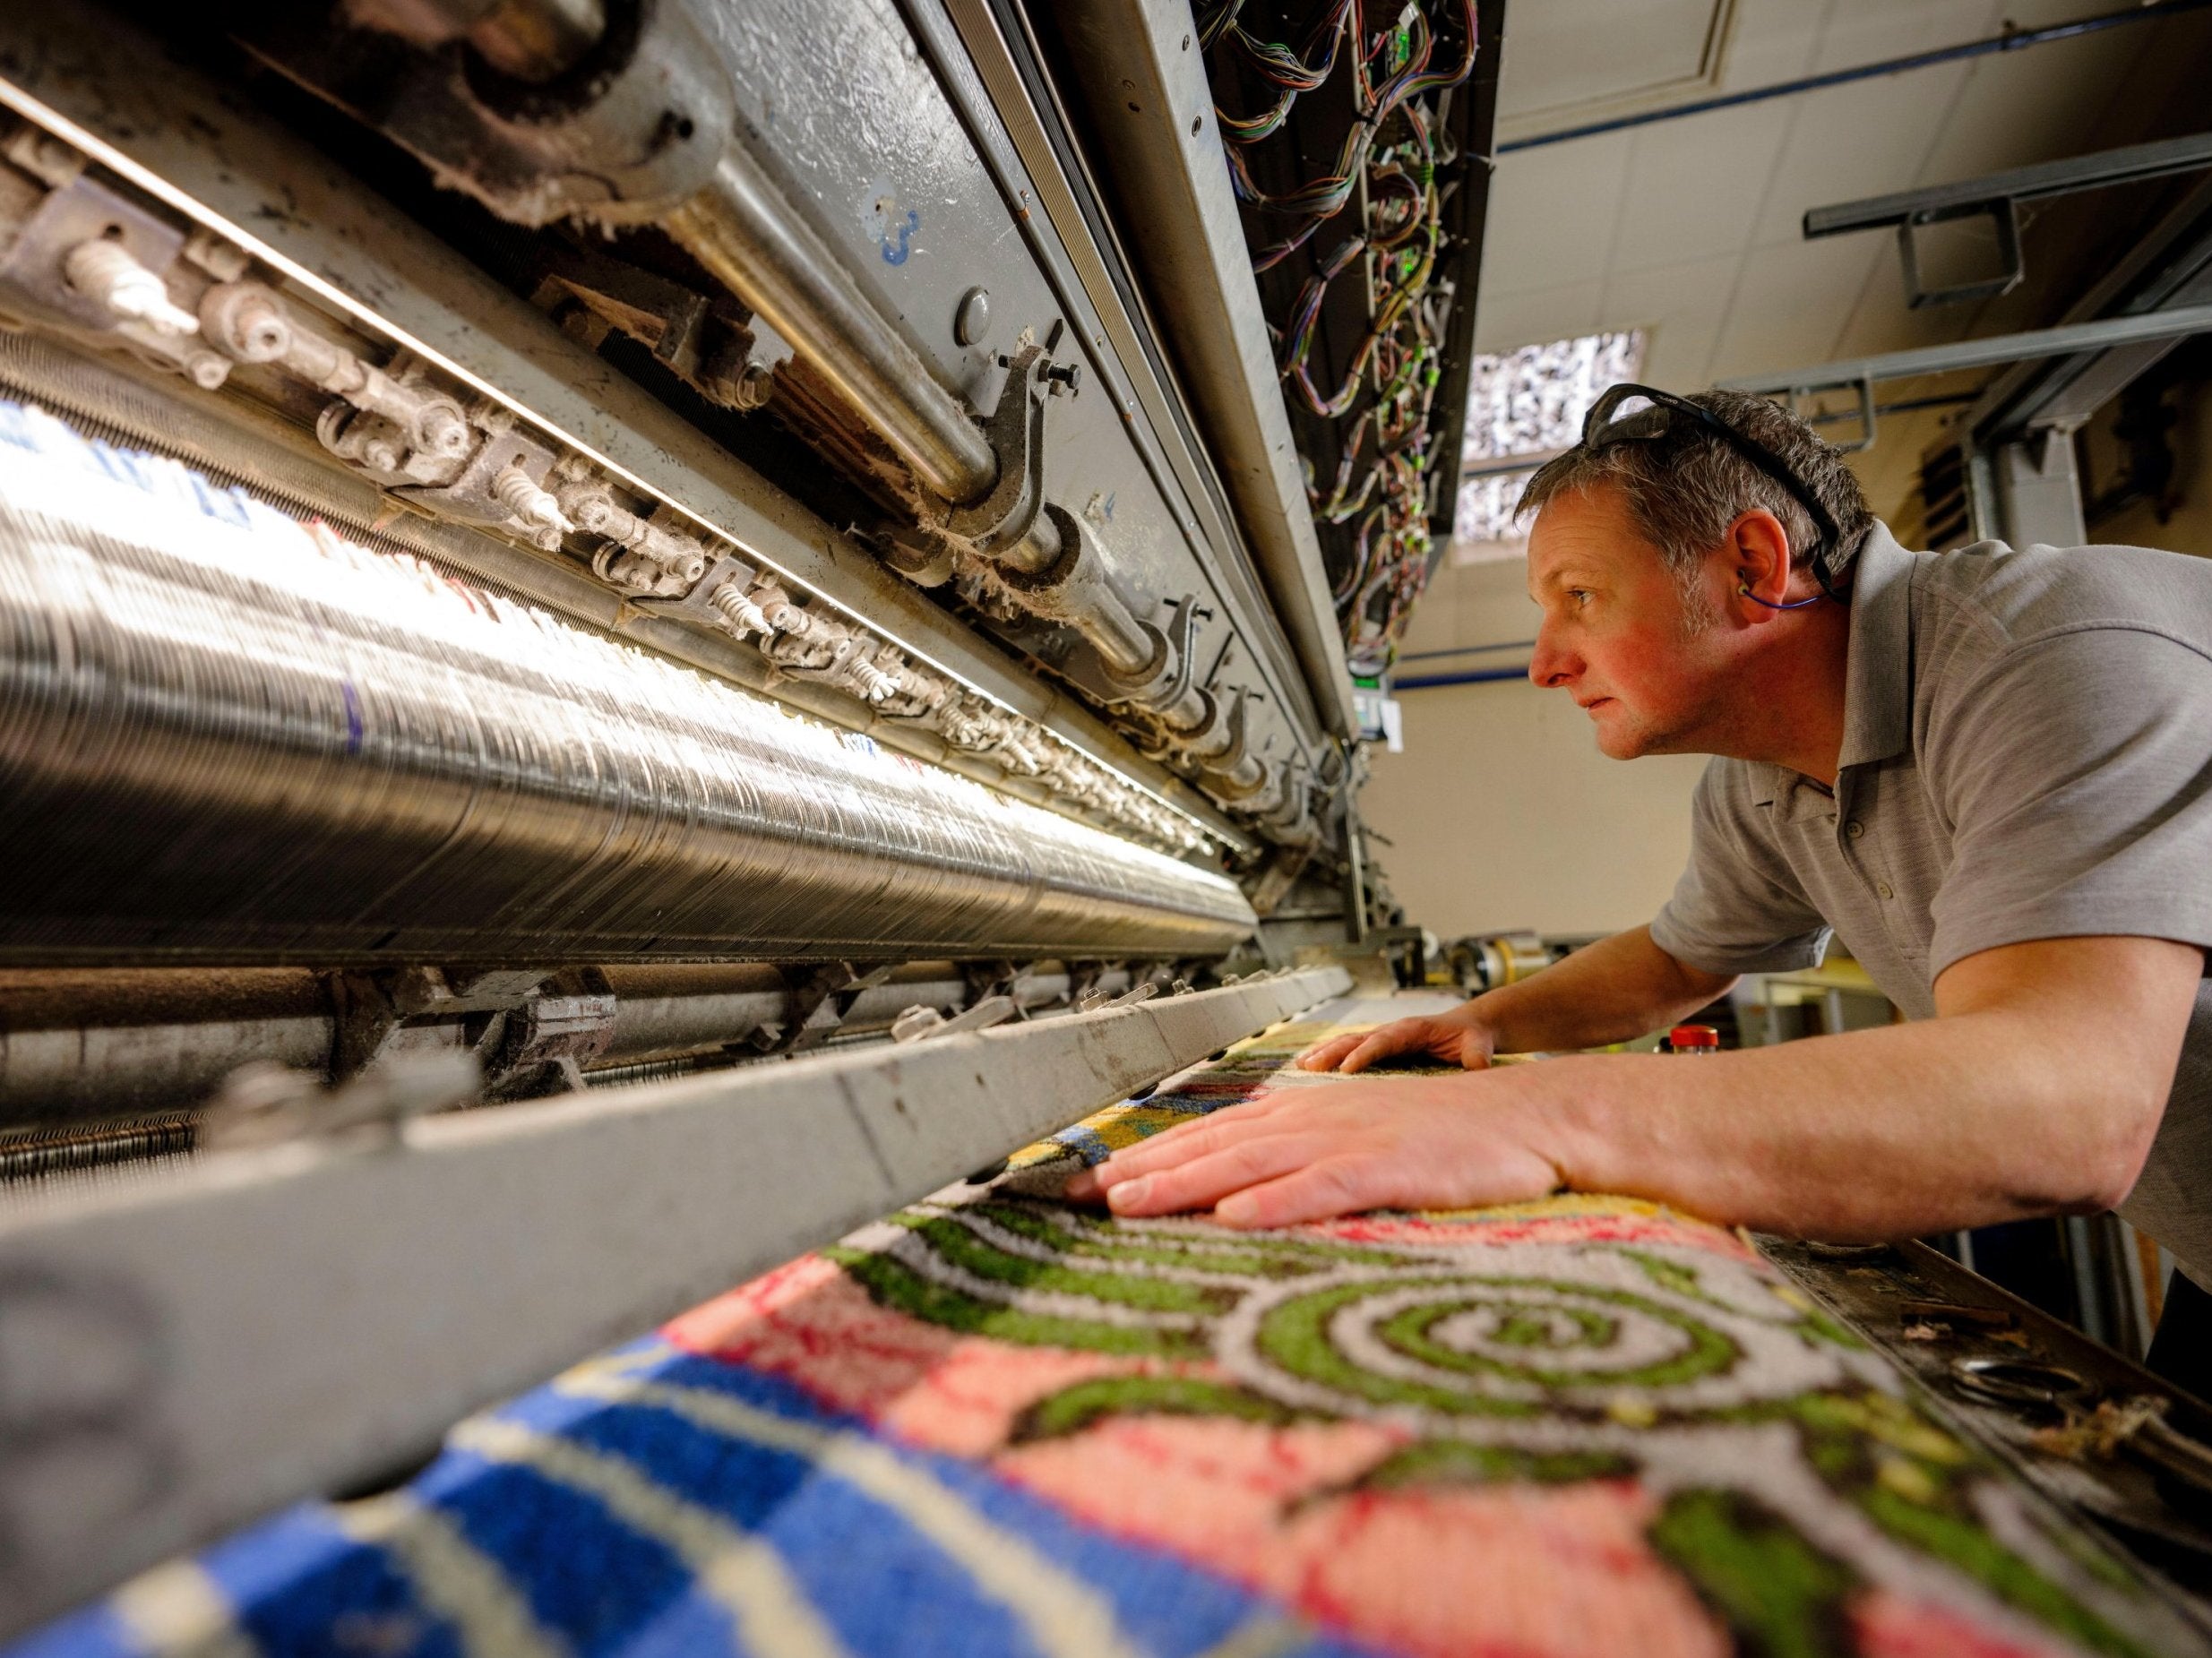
1325	1055
1376	1047
1182	1142
1083	1187
1206	1179
1400	1036
1318	1191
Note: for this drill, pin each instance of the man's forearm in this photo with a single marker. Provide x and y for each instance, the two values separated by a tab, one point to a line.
1610	990
1871	1135
2038	1088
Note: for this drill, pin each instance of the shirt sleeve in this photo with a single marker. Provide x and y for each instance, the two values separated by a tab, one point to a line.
2076	772
1737	907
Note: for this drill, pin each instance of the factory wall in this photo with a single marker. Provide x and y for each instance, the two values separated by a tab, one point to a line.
1500	812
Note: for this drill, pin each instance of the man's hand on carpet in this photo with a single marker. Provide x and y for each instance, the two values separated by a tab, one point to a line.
1300	1154
1455	1037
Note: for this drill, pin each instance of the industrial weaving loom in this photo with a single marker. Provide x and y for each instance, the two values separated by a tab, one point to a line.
995	1422
635	634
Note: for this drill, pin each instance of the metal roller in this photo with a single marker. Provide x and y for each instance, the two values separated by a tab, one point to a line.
224	737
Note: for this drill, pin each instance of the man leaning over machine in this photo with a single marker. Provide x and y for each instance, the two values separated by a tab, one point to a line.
1990	771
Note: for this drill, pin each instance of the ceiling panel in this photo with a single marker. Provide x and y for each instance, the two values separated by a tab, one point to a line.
1852	141
1680	308
1565	59
1551	216
1725	159
1557	313
1787	301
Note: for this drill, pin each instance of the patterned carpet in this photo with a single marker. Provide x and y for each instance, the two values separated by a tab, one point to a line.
995	1424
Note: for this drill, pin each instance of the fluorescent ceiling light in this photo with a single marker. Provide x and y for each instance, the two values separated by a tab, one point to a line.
1528	401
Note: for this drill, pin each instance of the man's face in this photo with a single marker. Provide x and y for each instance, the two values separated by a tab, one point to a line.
1618	633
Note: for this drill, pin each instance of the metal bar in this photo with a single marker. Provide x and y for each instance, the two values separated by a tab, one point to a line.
1903	406
751	239
2020	184
268	1325
2041	342
78	1048
2011	41
1151	112
2132	1294
2092	1305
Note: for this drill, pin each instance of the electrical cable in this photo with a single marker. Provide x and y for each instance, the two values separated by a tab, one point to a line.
1390	157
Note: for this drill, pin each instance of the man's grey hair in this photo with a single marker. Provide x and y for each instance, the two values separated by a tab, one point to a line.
1686	486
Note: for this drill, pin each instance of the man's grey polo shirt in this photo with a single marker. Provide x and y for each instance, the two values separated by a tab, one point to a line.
2027	754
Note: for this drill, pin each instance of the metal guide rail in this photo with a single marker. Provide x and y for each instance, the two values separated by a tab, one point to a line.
186	1350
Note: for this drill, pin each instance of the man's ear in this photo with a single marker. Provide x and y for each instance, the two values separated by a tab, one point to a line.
1757	548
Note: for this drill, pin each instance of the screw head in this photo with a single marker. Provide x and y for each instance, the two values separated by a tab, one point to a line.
442	431
972	320
755	385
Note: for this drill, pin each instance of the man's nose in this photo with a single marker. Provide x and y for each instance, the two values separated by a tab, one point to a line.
1549	665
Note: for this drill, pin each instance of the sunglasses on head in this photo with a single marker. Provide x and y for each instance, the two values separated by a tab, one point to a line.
1605	426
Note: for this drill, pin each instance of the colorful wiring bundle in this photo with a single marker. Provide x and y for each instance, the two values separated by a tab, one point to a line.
1389	159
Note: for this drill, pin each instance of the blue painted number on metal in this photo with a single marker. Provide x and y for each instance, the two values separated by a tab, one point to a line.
898	244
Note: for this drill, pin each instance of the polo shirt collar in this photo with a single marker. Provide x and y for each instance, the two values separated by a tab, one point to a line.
1878	665
1877	687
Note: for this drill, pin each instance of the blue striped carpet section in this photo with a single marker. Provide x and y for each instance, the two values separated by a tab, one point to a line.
656	1503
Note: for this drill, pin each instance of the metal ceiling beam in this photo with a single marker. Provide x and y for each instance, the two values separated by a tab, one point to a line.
1999	196
1970	196
190	1350
2170	268
2042	342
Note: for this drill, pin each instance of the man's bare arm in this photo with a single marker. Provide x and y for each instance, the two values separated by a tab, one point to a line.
2037	1090
1609	991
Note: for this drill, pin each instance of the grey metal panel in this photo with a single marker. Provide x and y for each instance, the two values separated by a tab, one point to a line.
980	75
880	158
1152	109
266	1324
203	151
